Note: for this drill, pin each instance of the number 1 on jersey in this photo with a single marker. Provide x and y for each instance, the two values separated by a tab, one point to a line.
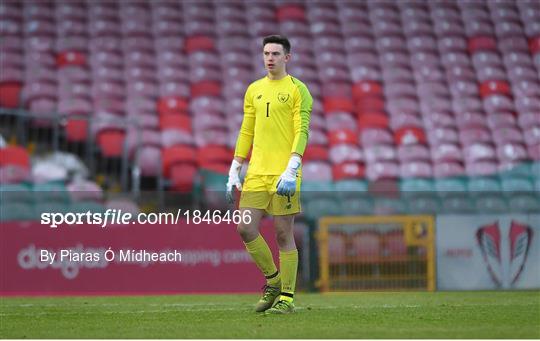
267	108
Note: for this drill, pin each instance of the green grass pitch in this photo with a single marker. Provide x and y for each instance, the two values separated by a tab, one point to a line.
487	314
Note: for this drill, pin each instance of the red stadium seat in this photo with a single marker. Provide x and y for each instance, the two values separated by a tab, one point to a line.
332	104
182	177
367	89
495	87
111	142
214	154
172	105
10	94
367	104
315	153
206	88
342	136
348	170
76	130
177	155
534	45
410	135
70	58
175	121
373	120
199	43
14	156
482	43
290	12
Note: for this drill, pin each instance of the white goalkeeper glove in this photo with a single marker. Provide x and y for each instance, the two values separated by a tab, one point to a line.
286	185
234	180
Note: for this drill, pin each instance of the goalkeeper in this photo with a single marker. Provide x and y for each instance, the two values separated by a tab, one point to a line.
277	111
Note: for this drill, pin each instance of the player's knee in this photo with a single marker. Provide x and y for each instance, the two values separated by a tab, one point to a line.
246	231
283	238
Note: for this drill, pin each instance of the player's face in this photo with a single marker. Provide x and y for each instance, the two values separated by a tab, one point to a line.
275	58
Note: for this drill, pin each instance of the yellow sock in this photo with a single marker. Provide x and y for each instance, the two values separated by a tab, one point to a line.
288	263
262	256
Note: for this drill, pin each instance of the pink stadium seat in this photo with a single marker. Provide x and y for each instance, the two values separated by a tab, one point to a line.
507	134
447	169
511	152
403	120
382	170
380	152
385	27
446	152
534	152
359	43
342	152
497	103
478	151
440	135
481	168
490	73
40	44
450	59
70	27
413	152
390	44
531	135
416	169
513	44
528	104
501	119
525	88
375	136
394	244
316	171
36	58
439	120
365	245
337	250
340	120
148	160
397	74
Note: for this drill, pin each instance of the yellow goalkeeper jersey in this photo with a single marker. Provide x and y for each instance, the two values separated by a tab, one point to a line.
276	124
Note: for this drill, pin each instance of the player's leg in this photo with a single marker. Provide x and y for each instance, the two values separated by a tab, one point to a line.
257	246
255	199
262	256
288	263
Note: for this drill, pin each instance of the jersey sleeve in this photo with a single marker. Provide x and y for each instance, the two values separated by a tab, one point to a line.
245	136
301	117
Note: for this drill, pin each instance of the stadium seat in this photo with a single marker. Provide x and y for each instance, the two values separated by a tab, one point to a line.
365	245
345	152
348	170
337	250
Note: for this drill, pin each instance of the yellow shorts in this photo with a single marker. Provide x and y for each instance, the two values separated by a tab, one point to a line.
259	191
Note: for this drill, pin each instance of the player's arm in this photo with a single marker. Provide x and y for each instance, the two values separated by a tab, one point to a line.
243	145
301	117
245	136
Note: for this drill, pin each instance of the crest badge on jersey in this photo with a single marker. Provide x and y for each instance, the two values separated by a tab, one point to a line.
283	97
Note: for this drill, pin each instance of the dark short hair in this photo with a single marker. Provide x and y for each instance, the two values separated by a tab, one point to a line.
277	39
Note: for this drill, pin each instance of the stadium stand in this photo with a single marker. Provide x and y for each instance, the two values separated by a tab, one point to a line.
443	96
